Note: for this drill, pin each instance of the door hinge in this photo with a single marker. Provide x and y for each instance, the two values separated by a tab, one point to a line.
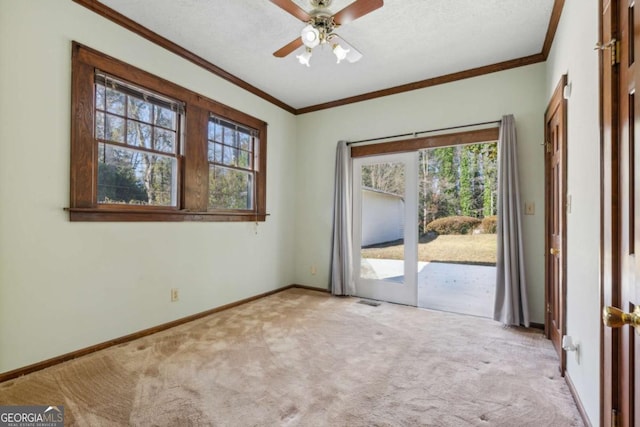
547	146
548	308
615	418
614	46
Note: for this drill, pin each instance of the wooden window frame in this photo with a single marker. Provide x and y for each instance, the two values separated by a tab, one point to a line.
193	182
104	140
252	152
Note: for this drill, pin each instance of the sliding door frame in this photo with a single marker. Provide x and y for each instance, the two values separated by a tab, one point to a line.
405	292
477	136
432	141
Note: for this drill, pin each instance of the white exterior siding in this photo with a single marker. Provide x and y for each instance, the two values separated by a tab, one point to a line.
382	217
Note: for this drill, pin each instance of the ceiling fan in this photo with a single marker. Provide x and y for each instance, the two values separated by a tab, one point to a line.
320	26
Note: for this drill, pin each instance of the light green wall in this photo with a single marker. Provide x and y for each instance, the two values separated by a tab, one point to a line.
519	91
65	286
572	54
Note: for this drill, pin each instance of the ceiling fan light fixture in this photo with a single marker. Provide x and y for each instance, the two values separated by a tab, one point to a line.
340	52
310	36
305	57
319	24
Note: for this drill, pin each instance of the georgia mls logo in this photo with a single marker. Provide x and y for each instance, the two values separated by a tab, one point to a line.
32	416
53	408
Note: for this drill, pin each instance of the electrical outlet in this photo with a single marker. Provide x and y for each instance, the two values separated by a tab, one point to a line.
174	294
314	270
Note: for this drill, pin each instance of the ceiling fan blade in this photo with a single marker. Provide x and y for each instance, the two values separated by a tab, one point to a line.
287	49
292	8
356	10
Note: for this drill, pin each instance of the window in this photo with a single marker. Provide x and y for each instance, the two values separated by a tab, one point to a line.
142	149
231	152
138	140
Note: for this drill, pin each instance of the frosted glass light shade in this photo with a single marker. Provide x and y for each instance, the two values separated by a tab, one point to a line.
305	57
340	52
310	37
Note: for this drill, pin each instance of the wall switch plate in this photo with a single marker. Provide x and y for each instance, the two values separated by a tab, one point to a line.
174	295
529	208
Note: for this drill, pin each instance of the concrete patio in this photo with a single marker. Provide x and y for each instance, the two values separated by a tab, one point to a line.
458	288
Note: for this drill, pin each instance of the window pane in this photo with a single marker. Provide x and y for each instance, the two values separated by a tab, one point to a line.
211	131
229	137
228	156
217	153
162	180
138	134
165	140
234	157
100	97
139	110
245	141
210	151
230	189
218	133
114	129
244	159
214	152
165	118
115	101
255	154
127	176
99	125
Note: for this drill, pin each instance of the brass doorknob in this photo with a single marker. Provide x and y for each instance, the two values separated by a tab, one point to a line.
614	317
554	251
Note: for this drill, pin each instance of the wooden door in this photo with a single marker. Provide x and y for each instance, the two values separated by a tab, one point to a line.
628	110
609	218
621	347
555	167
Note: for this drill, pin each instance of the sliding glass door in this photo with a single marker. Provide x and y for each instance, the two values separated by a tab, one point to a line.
385	227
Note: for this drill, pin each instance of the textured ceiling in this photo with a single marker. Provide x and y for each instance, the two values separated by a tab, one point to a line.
403	42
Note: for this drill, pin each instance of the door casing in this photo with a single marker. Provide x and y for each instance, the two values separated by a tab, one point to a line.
556	219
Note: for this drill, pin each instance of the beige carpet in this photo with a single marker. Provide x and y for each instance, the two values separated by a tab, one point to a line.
304	358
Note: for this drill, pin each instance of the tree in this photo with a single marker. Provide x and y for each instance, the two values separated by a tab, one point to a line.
466	195
119	184
427	199
229	189
387	177
445	168
490	172
459	180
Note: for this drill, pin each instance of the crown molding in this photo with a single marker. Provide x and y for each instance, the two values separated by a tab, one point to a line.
118	18
156	38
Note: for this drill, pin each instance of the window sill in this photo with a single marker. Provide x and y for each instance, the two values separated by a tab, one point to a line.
116	215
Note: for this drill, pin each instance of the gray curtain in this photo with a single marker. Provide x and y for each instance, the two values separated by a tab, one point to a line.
511	291
342	255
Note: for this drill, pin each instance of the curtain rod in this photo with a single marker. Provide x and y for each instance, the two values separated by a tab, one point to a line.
414	134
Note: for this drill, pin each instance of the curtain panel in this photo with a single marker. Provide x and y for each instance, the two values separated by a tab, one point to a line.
511	306
342	247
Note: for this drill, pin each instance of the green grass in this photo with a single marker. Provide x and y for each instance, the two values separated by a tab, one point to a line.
463	249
